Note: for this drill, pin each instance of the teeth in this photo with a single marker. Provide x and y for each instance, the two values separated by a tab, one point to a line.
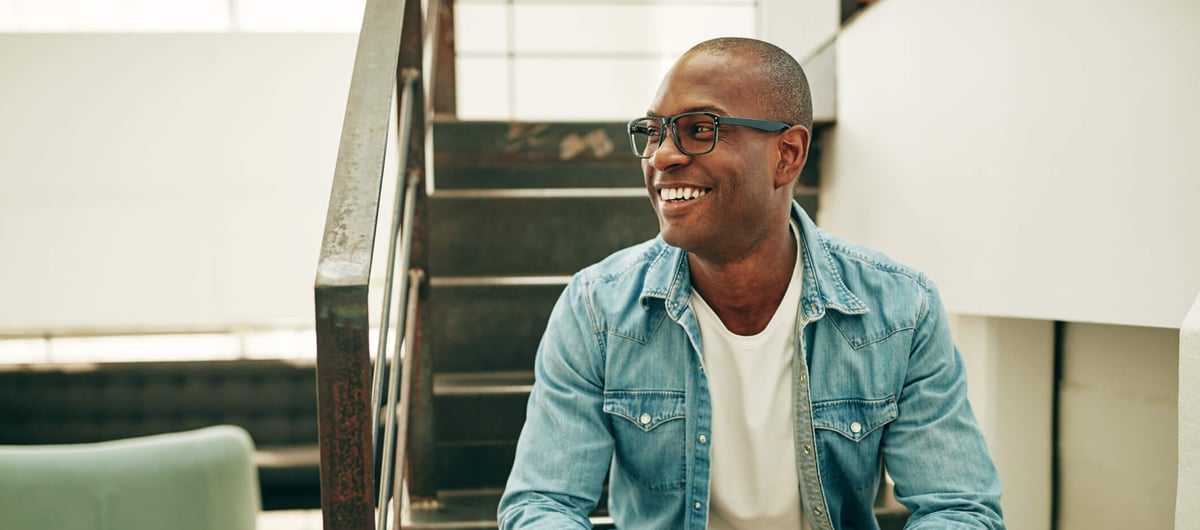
687	194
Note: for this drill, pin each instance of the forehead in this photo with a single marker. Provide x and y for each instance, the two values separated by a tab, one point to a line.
725	83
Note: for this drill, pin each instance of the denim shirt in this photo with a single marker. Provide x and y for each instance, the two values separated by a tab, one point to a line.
621	390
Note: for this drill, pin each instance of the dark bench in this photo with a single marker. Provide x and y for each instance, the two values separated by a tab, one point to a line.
274	400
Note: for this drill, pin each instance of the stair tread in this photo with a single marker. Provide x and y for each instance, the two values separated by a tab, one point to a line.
477	383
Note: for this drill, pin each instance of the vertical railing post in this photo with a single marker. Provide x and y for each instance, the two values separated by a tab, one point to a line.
444	77
421	483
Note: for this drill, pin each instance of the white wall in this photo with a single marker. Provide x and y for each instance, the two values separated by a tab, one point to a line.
598	60
1187	498
165	181
803	27
1036	159
1117	431
807	30
1010	376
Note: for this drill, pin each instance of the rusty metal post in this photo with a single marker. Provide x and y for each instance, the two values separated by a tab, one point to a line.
445	104
344	401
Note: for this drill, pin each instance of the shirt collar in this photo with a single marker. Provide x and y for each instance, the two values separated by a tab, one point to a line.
668	278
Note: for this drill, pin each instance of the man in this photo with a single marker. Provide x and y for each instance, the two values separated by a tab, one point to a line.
745	369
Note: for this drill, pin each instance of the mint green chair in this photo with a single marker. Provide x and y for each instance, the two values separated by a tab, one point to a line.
193	480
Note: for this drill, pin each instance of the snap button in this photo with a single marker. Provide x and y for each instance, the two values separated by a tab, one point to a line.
703	439
856	427
645	419
697	506
817	510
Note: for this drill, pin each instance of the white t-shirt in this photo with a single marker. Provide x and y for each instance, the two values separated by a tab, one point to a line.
753	483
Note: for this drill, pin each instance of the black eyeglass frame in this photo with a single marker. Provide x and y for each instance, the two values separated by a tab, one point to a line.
668	123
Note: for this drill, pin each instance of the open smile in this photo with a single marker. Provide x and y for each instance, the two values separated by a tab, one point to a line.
682	194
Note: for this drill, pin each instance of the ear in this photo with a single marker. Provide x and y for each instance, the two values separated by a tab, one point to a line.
793	153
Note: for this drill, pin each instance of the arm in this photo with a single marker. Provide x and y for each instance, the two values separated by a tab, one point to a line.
566	446
934	450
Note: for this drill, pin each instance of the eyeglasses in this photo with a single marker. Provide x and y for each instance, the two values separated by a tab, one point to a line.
695	133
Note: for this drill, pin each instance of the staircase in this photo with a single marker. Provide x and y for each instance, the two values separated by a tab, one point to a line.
517	209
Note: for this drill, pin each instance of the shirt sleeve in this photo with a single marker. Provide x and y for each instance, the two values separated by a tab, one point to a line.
934	450
566	445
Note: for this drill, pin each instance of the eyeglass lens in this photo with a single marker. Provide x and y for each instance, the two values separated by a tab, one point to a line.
694	134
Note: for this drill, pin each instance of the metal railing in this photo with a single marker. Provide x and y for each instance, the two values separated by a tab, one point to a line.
396	50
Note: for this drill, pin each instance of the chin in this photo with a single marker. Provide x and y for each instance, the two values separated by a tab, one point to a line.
678	238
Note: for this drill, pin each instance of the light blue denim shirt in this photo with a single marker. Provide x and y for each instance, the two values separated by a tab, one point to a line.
620	385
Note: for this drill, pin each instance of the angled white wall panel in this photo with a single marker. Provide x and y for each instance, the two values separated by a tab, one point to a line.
1036	159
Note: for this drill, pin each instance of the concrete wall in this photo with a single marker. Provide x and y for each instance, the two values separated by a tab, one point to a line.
165	181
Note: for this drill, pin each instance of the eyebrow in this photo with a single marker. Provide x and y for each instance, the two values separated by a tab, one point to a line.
701	108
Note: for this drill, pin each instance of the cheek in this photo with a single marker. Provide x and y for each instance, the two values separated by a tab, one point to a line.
647	171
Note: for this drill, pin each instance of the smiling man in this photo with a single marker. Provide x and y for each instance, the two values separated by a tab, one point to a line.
745	369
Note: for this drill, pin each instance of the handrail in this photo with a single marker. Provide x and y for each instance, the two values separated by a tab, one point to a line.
390	55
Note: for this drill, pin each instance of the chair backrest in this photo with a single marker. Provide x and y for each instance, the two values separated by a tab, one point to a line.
194	480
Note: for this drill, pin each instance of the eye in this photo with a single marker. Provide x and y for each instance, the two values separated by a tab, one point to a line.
648	130
701	129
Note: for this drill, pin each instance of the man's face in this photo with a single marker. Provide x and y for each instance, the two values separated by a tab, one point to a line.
727	194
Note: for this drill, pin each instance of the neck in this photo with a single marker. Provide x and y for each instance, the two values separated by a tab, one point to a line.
745	293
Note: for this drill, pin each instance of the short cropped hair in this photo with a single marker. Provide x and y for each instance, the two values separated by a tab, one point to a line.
786	96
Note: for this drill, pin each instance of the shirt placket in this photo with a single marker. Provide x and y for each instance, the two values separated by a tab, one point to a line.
812	494
699	411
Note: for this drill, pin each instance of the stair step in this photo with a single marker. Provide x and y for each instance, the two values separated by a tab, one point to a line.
470	510
476	509
482	236
475	407
533	155
482	327
474	465
483	383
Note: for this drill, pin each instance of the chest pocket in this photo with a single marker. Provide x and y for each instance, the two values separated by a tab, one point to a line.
849	432
854	419
650	433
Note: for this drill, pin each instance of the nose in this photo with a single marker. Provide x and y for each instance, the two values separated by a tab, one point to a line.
667	154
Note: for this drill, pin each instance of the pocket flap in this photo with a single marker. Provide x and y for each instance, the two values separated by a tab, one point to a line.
854	418
646	409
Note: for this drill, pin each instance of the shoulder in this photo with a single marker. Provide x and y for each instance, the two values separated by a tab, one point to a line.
881	282
613	290
626	269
